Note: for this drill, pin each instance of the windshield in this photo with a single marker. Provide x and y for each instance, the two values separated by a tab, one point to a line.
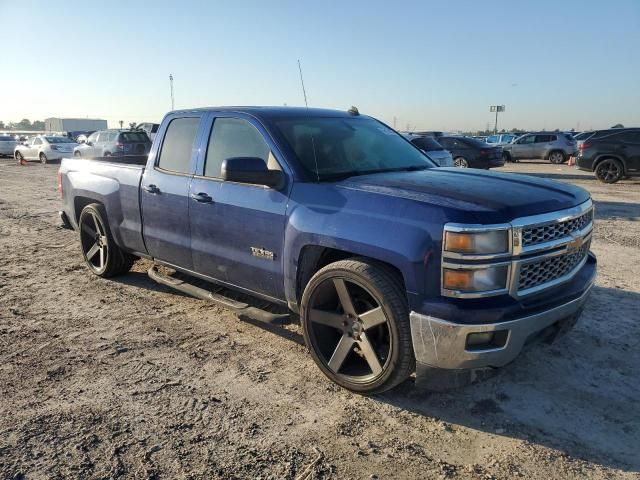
334	147
427	144
59	140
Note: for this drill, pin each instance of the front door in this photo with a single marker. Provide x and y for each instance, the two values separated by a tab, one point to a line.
237	229
522	148
632	150
32	150
165	192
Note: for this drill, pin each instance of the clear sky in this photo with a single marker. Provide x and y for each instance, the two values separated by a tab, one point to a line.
432	65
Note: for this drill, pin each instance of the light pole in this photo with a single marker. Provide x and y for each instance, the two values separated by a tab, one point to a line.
171	86
496	108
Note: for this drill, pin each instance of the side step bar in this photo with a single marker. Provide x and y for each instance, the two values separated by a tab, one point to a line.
203	294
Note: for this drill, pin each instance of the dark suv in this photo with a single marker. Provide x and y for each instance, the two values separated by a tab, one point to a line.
472	153
611	154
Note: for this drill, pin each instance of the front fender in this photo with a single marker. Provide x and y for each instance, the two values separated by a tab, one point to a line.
391	230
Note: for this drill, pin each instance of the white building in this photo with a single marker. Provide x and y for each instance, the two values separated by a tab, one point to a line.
74	124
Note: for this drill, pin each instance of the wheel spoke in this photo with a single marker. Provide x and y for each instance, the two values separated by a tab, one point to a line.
369	354
102	252
340	353
95	221
345	297
373	317
92	251
331	319
89	230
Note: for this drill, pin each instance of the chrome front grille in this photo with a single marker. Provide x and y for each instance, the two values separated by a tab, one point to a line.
549	269
553	231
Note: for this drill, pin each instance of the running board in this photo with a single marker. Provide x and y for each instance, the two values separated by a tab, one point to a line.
203	294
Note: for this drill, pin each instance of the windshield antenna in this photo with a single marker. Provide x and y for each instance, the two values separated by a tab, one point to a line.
313	143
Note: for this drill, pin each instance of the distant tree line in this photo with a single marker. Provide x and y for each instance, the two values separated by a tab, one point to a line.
24	124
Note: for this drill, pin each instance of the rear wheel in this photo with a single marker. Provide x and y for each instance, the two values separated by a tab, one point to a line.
100	252
43	158
609	170
557	157
356	325
77	154
461	162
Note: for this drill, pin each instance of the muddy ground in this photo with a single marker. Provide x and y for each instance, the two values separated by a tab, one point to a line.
126	379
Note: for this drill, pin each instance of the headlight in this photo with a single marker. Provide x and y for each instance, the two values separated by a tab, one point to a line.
476	279
479	243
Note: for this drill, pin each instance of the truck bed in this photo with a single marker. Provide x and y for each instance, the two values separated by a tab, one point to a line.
115	183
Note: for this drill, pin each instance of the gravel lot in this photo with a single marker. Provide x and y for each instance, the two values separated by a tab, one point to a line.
124	378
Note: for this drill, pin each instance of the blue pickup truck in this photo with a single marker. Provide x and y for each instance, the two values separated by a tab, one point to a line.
394	266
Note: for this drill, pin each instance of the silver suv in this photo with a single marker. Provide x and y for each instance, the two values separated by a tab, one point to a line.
556	147
106	143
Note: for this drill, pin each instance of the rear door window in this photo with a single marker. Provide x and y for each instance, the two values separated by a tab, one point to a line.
177	145
543	138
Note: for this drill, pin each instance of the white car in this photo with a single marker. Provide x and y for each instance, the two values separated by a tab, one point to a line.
44	148
7	144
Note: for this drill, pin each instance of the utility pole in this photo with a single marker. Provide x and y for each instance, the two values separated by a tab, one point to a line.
496	108
171	86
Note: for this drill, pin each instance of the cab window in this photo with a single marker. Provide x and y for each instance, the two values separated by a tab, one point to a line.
234	137
177	145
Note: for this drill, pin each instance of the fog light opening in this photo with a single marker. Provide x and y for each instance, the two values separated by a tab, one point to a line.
486	340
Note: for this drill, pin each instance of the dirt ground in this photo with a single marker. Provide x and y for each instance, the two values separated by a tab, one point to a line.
124	378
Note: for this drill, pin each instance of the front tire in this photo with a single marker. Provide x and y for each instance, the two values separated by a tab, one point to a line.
557	157
609	170
101	254
43	158
460	162
77	154
506	158
355	320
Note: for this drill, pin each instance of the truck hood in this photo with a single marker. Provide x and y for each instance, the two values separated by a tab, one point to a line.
487	196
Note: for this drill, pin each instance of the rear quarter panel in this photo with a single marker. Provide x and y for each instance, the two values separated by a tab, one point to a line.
116	187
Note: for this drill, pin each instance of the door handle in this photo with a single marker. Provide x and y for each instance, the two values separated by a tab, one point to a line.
151	189
201	197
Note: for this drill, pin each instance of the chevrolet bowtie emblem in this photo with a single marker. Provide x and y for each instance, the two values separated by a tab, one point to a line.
574	245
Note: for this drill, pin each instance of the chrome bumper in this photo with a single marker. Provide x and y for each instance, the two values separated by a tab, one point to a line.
442	344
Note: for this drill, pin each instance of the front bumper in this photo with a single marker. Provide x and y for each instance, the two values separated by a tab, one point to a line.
443	344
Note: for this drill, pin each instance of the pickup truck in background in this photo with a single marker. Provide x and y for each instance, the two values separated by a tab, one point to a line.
394	266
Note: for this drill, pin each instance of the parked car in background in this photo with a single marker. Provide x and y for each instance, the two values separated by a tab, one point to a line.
149	128
106	143
44	148
471	153
8	144
502	138
76	134
555	147
432	148
611	154
429	133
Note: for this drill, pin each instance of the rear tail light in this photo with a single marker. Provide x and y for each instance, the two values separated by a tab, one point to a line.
584	145
120	146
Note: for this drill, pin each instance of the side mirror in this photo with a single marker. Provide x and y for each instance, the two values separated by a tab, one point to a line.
251	170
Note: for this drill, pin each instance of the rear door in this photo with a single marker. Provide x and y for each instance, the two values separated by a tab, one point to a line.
164	190
237	229
542	144
34	148
632	150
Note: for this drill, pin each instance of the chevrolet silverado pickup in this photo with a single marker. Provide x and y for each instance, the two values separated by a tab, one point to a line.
392	265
